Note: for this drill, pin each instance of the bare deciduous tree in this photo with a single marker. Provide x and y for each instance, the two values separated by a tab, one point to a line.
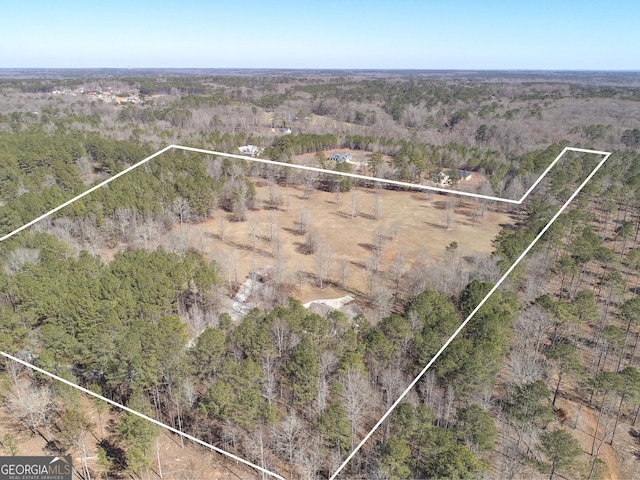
289	435
32	406
182	209
355	197
326	366
381	299
272	225
356	395
449	213
310	179
344	272
222	224
240	201
281	336
323	259
397	270
426	387
380	239
311	242
269	383
371	271
391	382
253	231
20	256
275	198
377	205
303	221
122	218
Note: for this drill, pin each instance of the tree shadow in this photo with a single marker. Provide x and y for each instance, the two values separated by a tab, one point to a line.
117	457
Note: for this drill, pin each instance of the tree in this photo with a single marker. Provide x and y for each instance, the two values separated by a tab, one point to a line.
624	233
289	435
218	401
375	162
311	242
528	405
476	427
377	203
182	208
560	448
138	435
631	138
630	312
333	425
355	393
474	359
254	233
32	406
482	133
566	360
398	265
345	182
104	462
10	445
207	353
395	457
355	194
605	383
457	117
323	259
451	459
304	221
629	389
73	427
302	371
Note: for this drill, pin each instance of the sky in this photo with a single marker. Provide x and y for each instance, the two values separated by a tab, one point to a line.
347	34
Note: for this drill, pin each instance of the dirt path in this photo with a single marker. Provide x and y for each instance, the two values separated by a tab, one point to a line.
584	431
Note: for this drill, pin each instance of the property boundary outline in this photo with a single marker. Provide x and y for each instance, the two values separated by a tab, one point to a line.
320	170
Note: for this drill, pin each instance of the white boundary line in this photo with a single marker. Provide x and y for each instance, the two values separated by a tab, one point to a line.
83	194
353	175
475	310
301	167
152	420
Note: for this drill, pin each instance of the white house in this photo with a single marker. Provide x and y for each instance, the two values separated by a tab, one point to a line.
250	150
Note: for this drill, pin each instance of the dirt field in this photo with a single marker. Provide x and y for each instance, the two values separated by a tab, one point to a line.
416	222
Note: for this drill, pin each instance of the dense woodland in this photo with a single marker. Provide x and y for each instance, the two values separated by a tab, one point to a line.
543	381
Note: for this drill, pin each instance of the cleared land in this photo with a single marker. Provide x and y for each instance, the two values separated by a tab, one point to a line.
415	222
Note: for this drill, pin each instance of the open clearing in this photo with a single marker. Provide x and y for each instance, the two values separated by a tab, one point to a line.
413	221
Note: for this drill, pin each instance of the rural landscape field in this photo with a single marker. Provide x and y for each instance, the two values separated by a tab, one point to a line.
274	299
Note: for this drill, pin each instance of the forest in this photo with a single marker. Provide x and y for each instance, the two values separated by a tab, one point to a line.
116	293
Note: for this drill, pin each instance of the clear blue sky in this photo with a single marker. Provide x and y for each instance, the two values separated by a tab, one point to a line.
420	34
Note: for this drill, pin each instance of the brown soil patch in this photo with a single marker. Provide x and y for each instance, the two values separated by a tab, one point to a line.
581	424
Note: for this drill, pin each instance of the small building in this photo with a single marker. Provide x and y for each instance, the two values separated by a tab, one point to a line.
264	274
251	150
464	175
449	177
340	157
